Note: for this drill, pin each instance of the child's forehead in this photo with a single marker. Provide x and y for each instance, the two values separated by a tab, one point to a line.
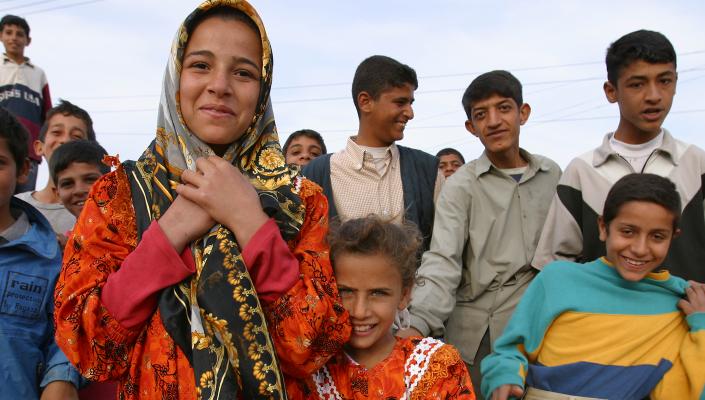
640	67
643	212
13	27
492	99
79	167
60	118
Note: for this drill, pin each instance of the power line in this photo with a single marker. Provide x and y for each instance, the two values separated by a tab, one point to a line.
61	7
315	85
27	5
560	82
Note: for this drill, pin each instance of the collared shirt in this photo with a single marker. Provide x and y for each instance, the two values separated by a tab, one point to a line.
484	236
24	92
571	230
361	188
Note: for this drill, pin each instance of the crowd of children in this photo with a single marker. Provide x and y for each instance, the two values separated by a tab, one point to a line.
206	269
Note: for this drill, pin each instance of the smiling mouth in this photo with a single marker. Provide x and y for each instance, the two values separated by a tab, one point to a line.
217	111
635	265
362	329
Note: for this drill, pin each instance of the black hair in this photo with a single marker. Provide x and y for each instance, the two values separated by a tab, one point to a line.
378	73
652	47
10	19
497	82
68	109
642	187
450	151
77	151
15	136
309	133
373	236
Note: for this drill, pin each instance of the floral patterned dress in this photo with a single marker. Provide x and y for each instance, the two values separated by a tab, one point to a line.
417	368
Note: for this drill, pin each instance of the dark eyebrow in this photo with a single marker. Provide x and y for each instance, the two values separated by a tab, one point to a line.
209	53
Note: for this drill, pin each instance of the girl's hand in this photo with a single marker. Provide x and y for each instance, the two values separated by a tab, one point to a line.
695	301
503	392
226	195
183	222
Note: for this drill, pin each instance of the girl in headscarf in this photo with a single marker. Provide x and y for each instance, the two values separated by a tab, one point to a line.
201	270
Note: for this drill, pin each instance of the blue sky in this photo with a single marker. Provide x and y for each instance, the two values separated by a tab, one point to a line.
108	56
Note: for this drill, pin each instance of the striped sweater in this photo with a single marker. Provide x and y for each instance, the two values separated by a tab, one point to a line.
570	231
582	330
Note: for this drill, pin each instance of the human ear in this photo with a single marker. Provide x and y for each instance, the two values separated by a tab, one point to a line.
602	227
23	172
524	112
365	101
38	147
610	91
470	127
405	298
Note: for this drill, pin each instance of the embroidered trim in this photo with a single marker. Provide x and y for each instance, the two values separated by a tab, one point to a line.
417	364
325	386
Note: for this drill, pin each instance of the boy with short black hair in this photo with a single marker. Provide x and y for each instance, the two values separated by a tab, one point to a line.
65	122
488	220
74	167
373	175
449	161
31	362
610	328
302	146
24	90
641	71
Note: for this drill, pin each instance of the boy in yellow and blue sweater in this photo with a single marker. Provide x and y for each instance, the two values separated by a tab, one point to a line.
612	328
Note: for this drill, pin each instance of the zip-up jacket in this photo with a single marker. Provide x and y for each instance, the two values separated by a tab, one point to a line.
29	267
571	232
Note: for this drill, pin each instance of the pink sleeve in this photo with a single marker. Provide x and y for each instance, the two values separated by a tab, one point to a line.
131	293
272	266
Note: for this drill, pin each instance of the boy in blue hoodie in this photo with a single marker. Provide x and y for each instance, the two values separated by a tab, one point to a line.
30	260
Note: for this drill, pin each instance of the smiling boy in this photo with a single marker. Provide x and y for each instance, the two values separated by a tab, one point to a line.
374	175
65	122
641	73
75	166
24	90
613	328
487	223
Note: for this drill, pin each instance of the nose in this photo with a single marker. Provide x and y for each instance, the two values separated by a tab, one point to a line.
359	308
219	83
493	118
653	93
409	112
639	245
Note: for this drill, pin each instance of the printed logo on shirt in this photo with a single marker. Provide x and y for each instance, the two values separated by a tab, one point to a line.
23	295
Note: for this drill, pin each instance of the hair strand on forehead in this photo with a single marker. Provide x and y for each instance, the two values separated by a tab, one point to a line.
371	235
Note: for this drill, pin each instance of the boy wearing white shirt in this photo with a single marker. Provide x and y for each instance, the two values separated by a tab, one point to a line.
641	72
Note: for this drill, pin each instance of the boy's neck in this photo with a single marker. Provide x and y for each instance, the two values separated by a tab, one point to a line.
629	134
47	195
510	158
17	58
366	137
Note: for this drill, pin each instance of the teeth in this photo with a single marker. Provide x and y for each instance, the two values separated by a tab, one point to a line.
362	328
635	262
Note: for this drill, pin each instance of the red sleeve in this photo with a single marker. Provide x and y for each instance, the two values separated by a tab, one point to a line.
46	106
131	293
273	268
308	323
